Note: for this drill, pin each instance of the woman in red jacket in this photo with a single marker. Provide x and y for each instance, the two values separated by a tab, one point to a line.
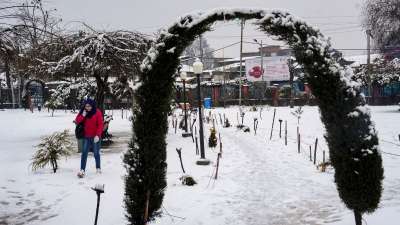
92	120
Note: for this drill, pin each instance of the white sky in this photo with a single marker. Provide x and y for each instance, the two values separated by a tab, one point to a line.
339	19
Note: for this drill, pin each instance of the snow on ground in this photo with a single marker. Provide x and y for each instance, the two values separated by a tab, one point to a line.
260	181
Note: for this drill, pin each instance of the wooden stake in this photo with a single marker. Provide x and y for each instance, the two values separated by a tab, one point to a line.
298	143
315	151
323	168
280	128
272	128
285	132
216	172
220	143
197	143
179	151
176	124
310	154
255	125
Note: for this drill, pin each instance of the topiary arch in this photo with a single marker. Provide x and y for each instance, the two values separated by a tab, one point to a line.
350	134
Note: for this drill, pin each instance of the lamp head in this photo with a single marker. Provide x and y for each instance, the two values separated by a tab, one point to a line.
198	66
183	75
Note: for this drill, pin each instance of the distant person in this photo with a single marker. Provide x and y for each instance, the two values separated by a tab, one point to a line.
39	107
30	104
92	121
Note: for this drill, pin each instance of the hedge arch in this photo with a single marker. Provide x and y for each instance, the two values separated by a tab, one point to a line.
350	134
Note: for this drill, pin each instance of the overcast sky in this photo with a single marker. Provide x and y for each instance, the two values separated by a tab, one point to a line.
339	19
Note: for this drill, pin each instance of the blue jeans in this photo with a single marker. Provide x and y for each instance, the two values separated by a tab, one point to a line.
87	143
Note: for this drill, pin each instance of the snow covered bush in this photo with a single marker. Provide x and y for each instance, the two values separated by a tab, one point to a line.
187	180
51	149
212	140
352	141
382	72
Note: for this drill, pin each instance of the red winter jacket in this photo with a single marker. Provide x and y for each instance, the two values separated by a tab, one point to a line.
93	125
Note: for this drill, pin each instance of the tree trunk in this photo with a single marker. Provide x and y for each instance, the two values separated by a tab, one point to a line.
100	93
358	217
291	94
8	79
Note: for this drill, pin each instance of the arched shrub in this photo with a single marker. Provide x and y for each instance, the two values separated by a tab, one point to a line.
350	134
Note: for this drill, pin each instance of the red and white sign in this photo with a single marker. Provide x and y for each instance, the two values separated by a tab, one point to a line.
275	69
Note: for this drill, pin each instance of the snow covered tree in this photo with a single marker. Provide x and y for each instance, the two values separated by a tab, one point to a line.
104	55
54	102
8	51
51	149
350	134
382	17
382	72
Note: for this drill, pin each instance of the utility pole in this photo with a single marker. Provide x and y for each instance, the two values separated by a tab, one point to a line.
262	60
201	48
368	32
241	63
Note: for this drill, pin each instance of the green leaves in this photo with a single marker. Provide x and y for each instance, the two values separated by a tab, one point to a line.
51	149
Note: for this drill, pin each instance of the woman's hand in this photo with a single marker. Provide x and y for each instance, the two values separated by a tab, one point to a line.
96	139
84	113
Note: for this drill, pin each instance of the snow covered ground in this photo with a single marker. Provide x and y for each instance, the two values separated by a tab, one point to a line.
260	181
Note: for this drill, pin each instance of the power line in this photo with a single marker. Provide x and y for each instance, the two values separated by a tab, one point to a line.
224	47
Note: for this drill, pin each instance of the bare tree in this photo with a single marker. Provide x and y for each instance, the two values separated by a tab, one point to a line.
194	51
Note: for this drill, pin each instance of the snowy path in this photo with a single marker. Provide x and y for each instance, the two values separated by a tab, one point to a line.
277	187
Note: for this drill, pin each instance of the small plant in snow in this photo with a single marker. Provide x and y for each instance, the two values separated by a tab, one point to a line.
226	123
187	180
51	149
212	140
297	113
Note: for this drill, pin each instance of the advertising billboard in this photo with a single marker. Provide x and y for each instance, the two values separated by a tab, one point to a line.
275	69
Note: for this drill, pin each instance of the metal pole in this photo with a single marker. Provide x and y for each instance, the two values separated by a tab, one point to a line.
184	104
202	153
240	68
97	208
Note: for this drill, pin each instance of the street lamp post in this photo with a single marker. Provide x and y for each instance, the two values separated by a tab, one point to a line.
183	78
198	70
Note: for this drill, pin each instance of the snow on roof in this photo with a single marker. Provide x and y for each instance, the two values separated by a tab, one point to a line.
360	59
186	68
